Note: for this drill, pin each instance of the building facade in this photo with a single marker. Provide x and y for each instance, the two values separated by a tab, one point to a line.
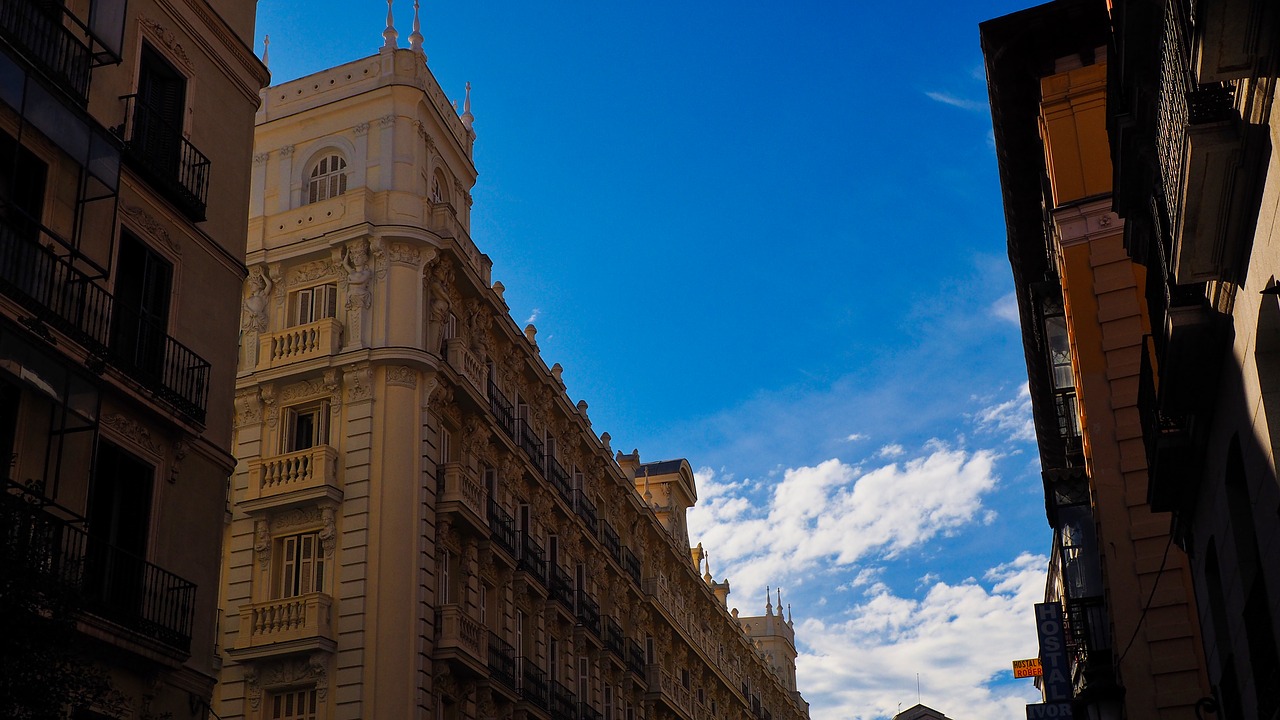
1193	129
422	524
125	138
1126	594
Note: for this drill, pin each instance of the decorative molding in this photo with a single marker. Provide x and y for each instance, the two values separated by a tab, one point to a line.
248	407
361	129
310	272
404	254
267	392
305	390
262	543
180	450
286	151
152	228
328	531
359	382
255	304
260	158
158	33
298	517
386	121
134	431
402	376
332	382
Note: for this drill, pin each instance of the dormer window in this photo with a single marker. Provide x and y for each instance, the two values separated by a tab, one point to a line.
328	178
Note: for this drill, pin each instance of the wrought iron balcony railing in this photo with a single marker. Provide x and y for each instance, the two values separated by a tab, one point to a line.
40	32
102	579
612	544
561	586
614	640
502	660
502	411
585	509
635	657
502	528
531	682
587	610
158	150
59	294
559	478
532	559
586	712
530	443
631	564
564	702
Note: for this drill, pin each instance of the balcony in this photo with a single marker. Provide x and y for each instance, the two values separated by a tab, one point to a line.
614	640
559	478
631	564
502	410
41	34
587	611
502	661
462	638
59	294
159	152
585	509
672	692
464	496
52	554
531	683
296	624
635	658
303	476
586	712
532	560
564	703
612	544
466	364
502	528
529	443
561	586
301	342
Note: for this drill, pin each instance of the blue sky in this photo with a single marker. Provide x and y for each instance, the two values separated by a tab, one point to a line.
767	236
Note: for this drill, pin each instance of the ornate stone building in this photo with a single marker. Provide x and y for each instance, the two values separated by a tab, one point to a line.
125	150
422	524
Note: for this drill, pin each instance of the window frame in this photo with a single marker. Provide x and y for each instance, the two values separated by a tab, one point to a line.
324	182
292	586
313	304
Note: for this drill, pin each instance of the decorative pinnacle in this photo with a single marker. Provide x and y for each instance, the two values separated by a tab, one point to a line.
266	48
390	35
467	117
415	37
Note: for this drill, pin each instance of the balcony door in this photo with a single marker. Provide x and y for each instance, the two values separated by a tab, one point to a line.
140	319
157	119
119	516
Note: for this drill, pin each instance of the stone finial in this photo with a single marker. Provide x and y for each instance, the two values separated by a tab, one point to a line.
499	288
390	35
529	333
604	440
768	600
556	371
266	49
789	621
467	117
415	37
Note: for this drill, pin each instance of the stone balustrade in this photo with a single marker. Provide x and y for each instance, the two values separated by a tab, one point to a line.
315	468
301	618
301	342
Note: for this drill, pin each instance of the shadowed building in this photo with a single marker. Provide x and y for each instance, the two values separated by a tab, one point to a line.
422	524
125	139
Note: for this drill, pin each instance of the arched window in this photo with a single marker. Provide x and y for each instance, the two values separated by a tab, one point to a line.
328	178
439	188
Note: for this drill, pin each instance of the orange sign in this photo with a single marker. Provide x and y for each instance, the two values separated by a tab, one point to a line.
1027	668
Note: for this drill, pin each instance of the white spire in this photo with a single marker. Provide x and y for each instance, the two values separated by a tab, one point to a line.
266	48
415	37
768	600
467	117
390	34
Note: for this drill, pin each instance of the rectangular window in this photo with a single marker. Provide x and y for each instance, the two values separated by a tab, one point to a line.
140	314
553	659
294	705
446	445
648	650
315	303
306	426
608	702
584	678
520	648
446	591
301	565
484	604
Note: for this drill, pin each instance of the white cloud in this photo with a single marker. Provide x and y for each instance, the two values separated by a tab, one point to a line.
960	638
533	316
855	437
891	450
1006	308
834	514
1011	418
953	101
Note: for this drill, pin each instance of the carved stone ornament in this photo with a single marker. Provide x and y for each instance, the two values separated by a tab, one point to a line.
180	449
286	151
296	518
310	272
157	32
258	285
262	543
332	382
152	228
260	158
404	254
248	408
442	397
475	436
133	431
359	382
267	392
328	533
253	686
305	390
361	129
291	672
402	376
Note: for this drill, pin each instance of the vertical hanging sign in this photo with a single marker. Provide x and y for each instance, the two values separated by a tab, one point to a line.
1056	682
